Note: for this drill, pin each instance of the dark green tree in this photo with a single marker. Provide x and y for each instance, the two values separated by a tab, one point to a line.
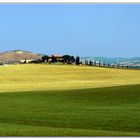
77	60
72	59
54	60
45	58
90	63
68	59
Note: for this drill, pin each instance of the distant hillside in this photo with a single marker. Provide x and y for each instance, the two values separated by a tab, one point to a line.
134	61
104	59
40	54
16	55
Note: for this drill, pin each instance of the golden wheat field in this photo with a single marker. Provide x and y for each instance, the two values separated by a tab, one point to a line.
33	77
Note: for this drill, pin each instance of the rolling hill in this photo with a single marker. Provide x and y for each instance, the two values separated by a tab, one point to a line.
55	77
16	55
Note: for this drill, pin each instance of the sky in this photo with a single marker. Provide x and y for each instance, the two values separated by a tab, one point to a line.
107	30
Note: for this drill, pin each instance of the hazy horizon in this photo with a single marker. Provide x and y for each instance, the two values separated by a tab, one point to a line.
92	30
71	54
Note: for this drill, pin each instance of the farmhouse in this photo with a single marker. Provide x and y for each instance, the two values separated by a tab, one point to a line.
57	57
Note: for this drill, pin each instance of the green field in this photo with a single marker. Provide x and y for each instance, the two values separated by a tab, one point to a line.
62	100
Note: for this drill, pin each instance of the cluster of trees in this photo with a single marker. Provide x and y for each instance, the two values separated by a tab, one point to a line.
45	58
70	59
66	59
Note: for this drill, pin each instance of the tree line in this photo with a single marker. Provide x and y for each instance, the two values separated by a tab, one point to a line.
68	59
103	64
65	59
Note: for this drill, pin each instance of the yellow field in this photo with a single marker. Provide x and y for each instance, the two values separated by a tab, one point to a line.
31	77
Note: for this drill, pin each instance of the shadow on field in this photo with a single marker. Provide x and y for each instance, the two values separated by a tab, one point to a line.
110	111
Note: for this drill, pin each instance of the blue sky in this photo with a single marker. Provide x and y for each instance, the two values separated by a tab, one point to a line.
109	30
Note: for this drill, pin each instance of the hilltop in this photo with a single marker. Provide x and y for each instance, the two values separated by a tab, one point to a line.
16	55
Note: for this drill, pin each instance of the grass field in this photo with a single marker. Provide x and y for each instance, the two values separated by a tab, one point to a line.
88	112
62	100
